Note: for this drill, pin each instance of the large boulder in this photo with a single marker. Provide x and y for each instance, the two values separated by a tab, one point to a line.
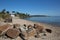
12	33
31	31
39	29
27	32
4	28
23	33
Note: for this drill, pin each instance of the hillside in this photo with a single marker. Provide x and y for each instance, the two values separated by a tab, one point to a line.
39	16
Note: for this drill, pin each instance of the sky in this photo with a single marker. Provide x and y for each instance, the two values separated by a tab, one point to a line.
32	7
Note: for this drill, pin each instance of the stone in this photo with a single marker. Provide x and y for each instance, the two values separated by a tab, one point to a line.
9	20
18	38
39	29
12	33
30	27
49	30
23	33
16	25
31	33
27	32
4	28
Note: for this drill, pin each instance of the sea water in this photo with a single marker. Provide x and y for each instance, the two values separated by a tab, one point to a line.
54	20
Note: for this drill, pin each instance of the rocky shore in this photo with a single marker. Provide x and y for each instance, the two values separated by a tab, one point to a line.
9	30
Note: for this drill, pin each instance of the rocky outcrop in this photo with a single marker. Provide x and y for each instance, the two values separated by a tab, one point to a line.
4	28
27	32
12	33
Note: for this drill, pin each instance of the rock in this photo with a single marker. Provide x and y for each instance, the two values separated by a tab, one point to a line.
22	36
39	29
49	30
44	34
30	27
31	33
16	25
18	38
9	20
23	33
4	28
26	32
12	33
37	36
25	25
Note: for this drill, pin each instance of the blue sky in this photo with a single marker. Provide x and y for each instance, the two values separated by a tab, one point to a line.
39	7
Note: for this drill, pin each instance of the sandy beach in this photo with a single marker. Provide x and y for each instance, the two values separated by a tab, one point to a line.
55	35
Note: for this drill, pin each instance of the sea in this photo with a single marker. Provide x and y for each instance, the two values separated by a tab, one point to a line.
53	20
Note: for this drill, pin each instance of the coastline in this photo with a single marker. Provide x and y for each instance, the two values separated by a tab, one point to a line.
51	24
54	21
55	35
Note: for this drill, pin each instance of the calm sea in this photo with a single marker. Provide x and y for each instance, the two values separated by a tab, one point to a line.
55	20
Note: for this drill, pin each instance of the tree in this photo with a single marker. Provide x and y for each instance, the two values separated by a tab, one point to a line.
27	14
13	11
17	12
3	11
7	12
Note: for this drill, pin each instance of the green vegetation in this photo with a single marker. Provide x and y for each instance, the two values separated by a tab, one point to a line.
6	14
22	15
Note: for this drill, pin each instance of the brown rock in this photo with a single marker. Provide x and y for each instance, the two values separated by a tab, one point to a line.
30	27
49	30
31	31
27	33
16	25
38	29
13	33
4	28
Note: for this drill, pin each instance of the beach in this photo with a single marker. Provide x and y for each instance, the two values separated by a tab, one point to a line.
55	35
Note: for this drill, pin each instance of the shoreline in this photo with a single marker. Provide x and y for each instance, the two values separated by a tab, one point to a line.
52	24
55	35
23	21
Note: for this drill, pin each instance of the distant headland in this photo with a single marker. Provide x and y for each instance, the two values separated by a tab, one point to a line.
39	16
